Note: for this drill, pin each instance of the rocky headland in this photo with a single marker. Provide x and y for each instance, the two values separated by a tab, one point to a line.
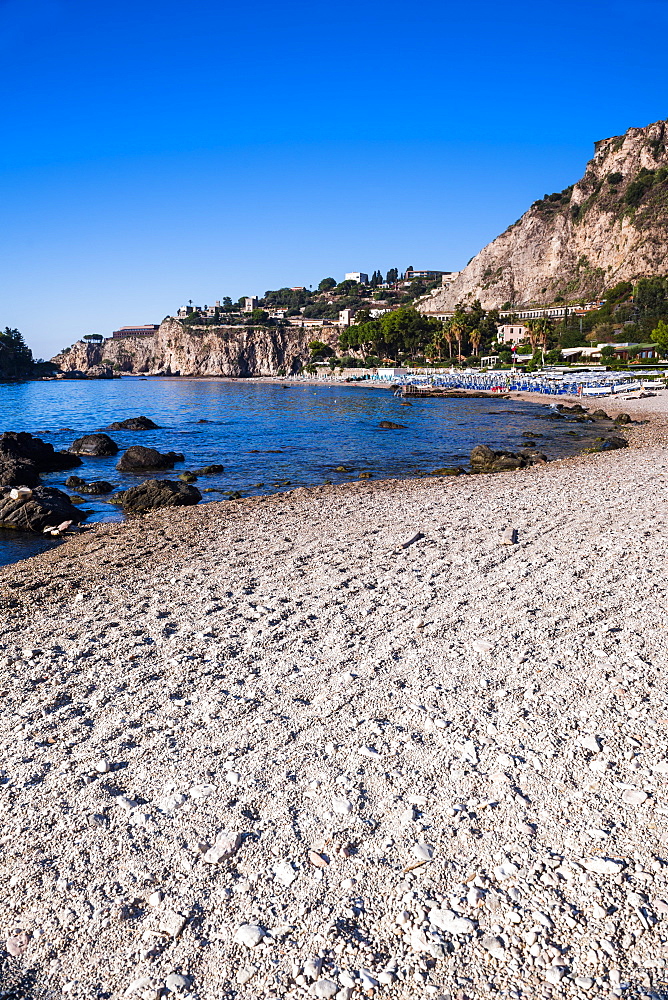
611	226
402	739
179	348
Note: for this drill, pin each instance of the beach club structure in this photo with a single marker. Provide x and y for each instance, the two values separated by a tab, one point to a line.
549	381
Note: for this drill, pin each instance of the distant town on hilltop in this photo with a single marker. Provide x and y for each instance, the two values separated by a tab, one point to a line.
331	303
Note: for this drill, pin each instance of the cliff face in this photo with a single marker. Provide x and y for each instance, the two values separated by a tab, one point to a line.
178	349
611	226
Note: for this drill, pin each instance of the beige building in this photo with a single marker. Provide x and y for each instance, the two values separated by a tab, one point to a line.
512	333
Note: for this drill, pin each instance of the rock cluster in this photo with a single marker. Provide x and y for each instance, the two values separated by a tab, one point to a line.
485	459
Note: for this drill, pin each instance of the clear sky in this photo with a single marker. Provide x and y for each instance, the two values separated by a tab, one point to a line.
155	152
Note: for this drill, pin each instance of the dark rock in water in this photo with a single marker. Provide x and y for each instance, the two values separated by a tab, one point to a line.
622	418
209	470
75	482
94	444
484	459
530	434
188	477
15	472
133	424
599	415
448	470
23	457
97	489
26	448
47	507
576	408
387	425
155	493
365	475
137	458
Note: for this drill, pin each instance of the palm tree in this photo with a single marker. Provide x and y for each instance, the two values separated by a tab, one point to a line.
458	329
476	337
533	326
448	335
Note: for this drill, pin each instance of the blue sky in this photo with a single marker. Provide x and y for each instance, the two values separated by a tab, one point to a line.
158	152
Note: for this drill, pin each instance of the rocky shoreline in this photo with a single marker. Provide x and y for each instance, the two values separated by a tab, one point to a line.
401	739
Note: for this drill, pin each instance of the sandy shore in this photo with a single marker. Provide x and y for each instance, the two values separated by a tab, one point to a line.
342	742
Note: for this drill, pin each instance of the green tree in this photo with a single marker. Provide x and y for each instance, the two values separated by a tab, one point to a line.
660	335
607	352
320	350
392	276
326	284
15	355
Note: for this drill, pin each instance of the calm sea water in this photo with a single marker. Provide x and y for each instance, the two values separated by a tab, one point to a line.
264	433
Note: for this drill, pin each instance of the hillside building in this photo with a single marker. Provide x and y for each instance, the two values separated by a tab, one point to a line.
511	333
359	276
135	331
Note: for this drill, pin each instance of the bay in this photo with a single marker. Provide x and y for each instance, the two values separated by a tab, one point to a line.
265	433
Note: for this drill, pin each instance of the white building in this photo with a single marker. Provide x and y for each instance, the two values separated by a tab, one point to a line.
250	302
359	276
511	334
346	317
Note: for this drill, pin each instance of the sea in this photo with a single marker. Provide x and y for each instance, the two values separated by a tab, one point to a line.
269	436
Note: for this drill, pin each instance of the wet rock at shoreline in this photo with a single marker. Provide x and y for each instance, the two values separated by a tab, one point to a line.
188	477
576	408
388	425
607	444
137	457
622	418
599	415
94	444
484	459
133	424
155	493
46	507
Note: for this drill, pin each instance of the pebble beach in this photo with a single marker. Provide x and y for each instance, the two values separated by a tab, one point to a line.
396	739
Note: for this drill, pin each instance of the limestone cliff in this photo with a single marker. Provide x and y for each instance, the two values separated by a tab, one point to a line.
611	226
181	349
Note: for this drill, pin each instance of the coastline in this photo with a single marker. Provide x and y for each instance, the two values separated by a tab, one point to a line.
350	706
